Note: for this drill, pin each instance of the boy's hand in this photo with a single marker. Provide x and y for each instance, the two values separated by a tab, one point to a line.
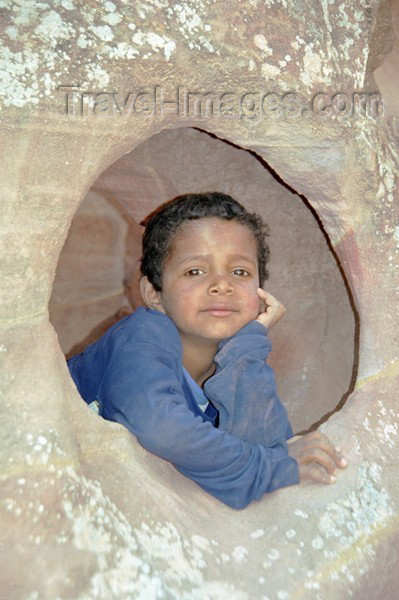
317	458
273	311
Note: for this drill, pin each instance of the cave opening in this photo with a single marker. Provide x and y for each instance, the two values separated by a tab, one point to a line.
315	346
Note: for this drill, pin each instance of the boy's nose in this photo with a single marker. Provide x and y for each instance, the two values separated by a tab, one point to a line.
221	285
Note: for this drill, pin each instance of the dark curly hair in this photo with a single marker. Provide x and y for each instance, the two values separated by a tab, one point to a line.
162	224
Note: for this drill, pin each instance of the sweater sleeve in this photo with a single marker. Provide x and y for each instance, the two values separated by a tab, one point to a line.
243	389
141	390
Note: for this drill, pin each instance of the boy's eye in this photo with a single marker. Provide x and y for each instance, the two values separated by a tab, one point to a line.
241	272
194	272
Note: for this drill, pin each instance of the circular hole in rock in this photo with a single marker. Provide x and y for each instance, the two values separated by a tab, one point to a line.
314	346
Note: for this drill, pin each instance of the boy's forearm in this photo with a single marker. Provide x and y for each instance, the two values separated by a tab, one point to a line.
154	409
244	391
234	471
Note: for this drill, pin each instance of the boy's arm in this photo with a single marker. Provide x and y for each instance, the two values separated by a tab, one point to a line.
243	389
140	389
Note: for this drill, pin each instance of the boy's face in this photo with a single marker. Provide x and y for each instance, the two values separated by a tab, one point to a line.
210	280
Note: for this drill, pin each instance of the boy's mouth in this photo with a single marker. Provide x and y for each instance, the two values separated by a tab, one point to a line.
220	310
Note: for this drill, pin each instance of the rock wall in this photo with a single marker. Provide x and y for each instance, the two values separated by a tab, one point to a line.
86	512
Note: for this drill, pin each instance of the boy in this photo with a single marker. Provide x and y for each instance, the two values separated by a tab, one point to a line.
187	374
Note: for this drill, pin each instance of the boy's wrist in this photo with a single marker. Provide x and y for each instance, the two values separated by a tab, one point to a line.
265	328
254	326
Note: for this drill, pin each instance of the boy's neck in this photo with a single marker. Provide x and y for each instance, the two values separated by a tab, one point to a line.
198	360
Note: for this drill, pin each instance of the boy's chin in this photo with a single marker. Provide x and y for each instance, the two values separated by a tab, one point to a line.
229	331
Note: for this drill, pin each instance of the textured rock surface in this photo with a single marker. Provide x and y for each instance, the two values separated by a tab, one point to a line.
85	511
90	271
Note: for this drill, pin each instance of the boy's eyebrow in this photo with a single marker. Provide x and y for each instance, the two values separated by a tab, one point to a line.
195	257
242	257
206	256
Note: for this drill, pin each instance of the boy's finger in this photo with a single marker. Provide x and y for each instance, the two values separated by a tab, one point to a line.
323	459
266	296
314	473
340	459
316	439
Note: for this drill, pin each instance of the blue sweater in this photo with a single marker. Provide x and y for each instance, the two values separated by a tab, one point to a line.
135	372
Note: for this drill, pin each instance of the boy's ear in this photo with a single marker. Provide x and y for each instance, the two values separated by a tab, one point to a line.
151	296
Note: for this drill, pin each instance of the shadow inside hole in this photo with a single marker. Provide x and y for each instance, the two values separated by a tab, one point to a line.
315	346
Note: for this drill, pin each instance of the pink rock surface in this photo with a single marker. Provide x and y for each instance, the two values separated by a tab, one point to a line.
85	511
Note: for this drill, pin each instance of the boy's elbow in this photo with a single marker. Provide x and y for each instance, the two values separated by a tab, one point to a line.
239	504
